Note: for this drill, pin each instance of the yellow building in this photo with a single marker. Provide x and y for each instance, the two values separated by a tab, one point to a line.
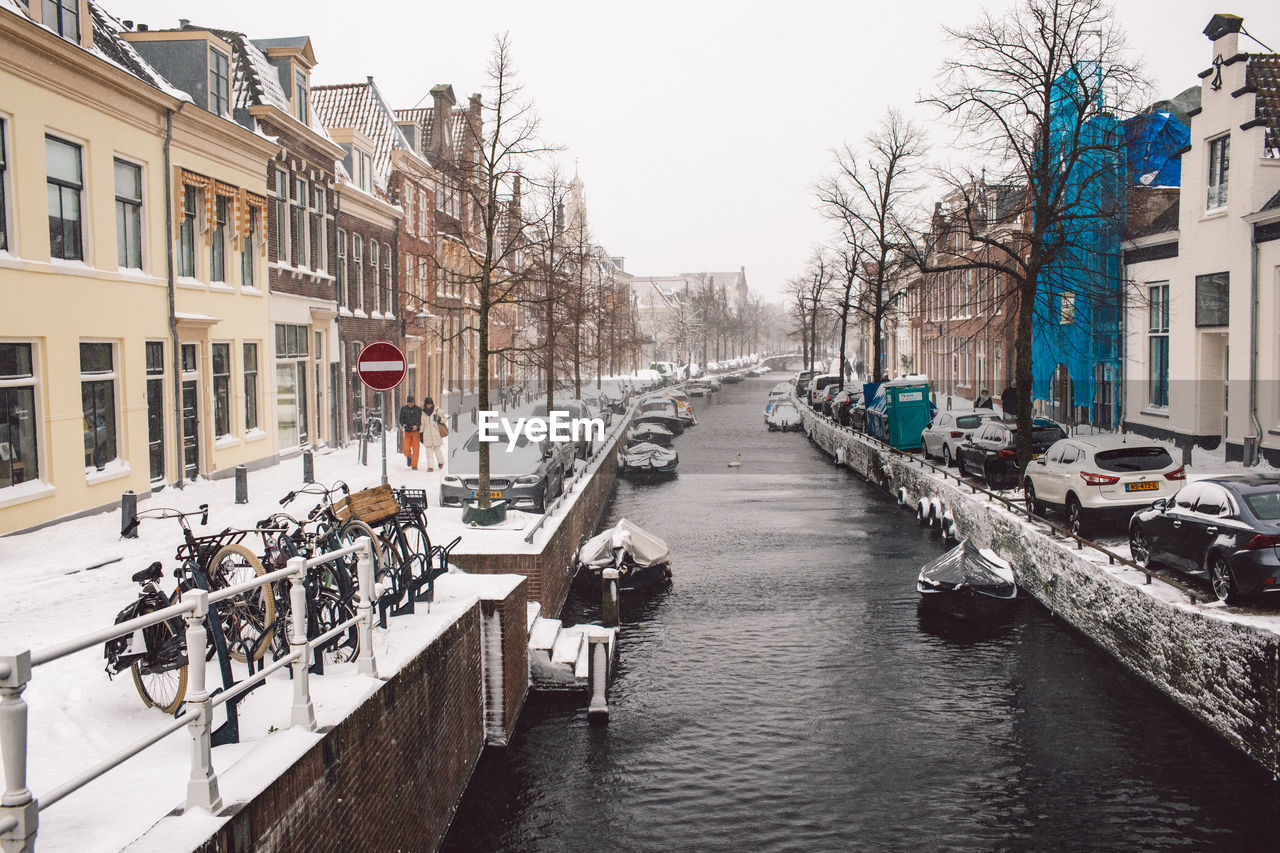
130	219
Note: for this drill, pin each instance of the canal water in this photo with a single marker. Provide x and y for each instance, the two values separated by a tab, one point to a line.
784	693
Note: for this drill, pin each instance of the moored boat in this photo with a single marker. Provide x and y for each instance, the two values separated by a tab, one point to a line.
647	460
969	583
650	433
640	557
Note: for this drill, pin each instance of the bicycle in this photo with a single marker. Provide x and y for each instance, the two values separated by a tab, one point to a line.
367	425
157	656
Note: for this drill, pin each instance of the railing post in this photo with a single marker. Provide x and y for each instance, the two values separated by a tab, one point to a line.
202	786
598	676
16	803
366	663
303	713
609	609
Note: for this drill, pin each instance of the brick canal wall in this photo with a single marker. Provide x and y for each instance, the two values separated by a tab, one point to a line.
1222	671
391	774
550	571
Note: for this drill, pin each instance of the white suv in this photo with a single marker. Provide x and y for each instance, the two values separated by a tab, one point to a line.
1100	476
948	430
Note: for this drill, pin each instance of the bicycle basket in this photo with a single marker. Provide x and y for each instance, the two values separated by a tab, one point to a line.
413	505
372	506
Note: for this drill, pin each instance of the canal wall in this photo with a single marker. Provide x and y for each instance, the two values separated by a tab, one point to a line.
1219	664
548	562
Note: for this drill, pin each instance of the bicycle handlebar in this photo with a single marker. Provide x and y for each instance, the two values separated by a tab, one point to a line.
168	512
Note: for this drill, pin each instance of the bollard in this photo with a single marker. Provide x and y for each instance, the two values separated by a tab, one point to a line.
303	712
609	609
202	785
308	467
16	801
242	484
366	664
598	677
128	511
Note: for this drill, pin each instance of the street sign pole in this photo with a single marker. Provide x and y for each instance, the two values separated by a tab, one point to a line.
382	396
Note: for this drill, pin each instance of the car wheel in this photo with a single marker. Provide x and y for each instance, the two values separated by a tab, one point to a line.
540	505
1034	507
1075	516
946	456
1140	546
924	448
1224	585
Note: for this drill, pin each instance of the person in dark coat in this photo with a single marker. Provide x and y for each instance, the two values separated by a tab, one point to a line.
984	400
411	423
1009	400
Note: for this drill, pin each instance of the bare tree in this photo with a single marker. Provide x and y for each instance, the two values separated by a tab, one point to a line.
870	197
808	296
1028	93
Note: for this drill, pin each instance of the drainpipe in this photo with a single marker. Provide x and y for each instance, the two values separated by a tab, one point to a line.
173	312
340	406
1253	345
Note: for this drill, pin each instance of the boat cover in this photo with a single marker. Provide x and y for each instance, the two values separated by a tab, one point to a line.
646	455
967	565
647	428
644	548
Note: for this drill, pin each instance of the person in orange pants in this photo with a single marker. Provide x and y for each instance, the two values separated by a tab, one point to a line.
411	423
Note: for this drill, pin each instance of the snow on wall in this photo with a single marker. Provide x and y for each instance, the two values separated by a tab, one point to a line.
1219	667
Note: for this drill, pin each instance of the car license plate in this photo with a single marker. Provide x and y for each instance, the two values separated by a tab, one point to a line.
1036	456
1147	486
493	496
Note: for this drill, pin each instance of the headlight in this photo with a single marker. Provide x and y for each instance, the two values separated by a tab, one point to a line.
449	478
528	480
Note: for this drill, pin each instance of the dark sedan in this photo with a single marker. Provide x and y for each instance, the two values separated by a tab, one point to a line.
1226	529
992	453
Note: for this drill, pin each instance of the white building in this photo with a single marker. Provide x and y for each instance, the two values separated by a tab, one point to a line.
1202	358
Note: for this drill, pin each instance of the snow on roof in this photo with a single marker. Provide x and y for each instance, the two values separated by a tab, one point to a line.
361	106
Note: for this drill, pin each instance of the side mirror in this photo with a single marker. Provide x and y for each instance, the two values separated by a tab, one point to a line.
1041	461
1161	504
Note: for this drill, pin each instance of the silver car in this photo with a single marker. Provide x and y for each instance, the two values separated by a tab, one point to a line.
948	430
527	476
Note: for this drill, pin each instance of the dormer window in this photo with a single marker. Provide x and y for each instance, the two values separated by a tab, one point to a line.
300	97
219	82
63	17
1219	162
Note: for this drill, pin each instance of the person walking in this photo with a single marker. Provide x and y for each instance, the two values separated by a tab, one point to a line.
411	423
984	400
1009	400
431	438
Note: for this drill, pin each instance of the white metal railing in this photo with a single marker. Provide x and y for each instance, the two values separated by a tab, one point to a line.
19	808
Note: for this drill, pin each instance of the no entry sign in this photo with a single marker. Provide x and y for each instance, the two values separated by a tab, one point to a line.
381	365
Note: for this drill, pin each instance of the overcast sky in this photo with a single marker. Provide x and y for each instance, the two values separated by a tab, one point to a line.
699	128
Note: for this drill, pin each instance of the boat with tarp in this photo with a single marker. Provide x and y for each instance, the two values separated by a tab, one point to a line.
969	583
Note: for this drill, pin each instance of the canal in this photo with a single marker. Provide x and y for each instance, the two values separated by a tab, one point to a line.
784	693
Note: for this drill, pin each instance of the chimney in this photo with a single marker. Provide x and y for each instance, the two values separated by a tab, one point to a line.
441	140
128	25
142	28
1224	32
183	23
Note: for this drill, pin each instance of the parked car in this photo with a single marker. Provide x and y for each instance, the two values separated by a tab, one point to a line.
576	409
1224	528
817	385
827	395
1096	477
948	430
802	382
785	416
992	454
527	476
842	405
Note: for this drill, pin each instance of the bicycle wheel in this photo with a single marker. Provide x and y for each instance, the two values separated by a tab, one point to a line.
248	619
353	530
418	546
399	562
329	611
161	676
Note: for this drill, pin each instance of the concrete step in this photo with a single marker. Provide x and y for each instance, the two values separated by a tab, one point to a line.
534	609
544	635
570	645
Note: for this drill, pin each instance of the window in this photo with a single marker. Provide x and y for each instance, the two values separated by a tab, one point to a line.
300	97
319	233
1068	309
63	17
249	250
187	234
282	216
98	400
373	271
388	304
221	389
357	265
219	82
19	461
366	171
1213	293
250	386
1213	501
129	214
1219	165
65	181
4	178
343	301
298	223
1158	345
155	409
218	242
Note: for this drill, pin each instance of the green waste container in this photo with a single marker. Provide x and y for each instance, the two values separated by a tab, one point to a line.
907	411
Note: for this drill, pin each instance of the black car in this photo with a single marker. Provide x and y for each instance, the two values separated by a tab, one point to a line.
992	452
842	405
1224	528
